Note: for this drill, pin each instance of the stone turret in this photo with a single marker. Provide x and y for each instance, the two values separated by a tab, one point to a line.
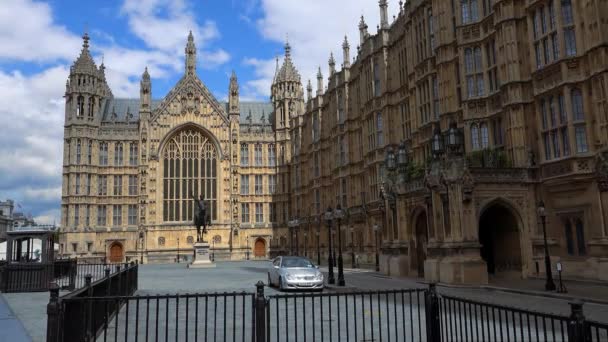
287	92
319	83
346	52
362	31
332	65
383	14
86	89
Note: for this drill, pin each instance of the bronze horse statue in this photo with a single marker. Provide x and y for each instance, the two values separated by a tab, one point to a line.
201	218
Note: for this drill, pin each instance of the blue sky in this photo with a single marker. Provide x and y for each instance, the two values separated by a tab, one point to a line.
41	39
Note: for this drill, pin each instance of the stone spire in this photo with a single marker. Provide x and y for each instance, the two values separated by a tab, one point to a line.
287	72
309	89
233	94
84	64
362	30
383	14
319	82
346	52
145	90
332	64
190	56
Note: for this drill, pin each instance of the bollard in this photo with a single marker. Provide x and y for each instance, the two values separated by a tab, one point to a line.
53	314
578	330
433	325
260	313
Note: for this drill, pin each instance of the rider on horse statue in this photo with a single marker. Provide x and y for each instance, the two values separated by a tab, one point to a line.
201	218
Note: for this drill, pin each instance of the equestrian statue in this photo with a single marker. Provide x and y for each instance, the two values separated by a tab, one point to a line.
202	219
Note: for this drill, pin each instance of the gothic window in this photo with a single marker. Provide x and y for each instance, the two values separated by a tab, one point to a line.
272	155
377	87
117	186
259	212
578	116
498	132
554	123
76	216
103	153
102	185
132	214
244	212
101	215
87	216
161	241
469	11
569	32
272	212
379	130
546	44
473	71
91	107
78	151
258	154
90	152
316	164
79	106
117	215
132	185
258	184
77	187
244	155
272	183
133	154
189	169
475	137
315	126
244	184
575	236
118	154
485	141
340	107
88	185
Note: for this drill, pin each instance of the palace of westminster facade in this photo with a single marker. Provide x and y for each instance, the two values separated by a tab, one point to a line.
439	140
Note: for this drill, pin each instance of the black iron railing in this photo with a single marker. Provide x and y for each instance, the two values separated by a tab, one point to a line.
394	315
75	317
107	311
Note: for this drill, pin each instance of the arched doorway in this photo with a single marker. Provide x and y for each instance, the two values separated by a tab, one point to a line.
259	248
116	252
500	241
421	235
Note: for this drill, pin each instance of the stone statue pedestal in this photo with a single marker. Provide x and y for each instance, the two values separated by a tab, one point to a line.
201	256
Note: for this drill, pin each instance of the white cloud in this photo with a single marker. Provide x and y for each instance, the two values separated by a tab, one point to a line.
164	24
314	30
28	33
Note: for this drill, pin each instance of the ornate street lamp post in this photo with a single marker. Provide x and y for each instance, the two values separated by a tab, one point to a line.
247	248
306	244
339	214
549	284
376	228
318	234
178	250
352	246
295	227
330	262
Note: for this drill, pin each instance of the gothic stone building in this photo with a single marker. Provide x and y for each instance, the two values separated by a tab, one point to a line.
132	166
499	105
494	106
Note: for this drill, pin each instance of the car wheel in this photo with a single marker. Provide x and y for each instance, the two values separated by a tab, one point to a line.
269	281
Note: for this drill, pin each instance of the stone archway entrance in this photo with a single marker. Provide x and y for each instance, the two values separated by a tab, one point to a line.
259	248
500	241
116	252
421	238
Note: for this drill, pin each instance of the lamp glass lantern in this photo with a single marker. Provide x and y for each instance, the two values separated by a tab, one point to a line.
402	156
390	159
541	209
454	136
328	214
437	142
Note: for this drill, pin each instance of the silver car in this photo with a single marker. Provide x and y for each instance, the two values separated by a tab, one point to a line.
295	273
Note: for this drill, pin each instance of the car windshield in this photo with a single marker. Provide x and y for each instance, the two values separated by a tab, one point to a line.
296	262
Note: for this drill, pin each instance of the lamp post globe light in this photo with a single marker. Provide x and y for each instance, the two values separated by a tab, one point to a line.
330	262
376	228
437	147
338	215
549	284
295	228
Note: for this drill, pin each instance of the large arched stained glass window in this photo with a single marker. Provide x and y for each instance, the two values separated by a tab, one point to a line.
189	169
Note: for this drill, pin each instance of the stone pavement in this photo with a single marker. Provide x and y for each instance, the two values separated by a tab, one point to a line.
10	326
527	294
